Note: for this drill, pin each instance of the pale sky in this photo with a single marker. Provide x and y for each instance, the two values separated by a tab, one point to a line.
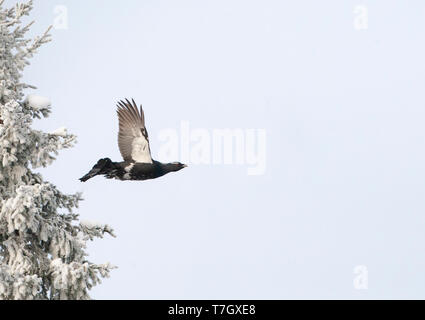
339	91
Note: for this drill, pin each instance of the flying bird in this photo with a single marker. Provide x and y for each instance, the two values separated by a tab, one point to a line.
133	142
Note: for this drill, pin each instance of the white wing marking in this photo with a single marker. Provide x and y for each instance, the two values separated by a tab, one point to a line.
140	150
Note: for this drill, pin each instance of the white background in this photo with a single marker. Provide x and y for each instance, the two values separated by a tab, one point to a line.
344	114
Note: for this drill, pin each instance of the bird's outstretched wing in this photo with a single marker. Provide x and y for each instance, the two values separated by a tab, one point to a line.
133	138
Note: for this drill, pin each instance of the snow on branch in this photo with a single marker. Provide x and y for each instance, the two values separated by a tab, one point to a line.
14	15
38	102
95	229
42	243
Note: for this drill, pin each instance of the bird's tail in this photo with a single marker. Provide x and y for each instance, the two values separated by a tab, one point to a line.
102	167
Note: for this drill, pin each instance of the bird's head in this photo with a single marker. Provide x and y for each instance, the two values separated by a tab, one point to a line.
175	166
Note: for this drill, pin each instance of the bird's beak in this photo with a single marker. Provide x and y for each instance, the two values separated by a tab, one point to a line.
185	166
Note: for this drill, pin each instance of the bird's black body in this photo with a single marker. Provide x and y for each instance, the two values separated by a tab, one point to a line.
133	142
131	171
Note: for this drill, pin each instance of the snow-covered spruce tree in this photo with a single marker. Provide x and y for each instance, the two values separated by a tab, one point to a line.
42	244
